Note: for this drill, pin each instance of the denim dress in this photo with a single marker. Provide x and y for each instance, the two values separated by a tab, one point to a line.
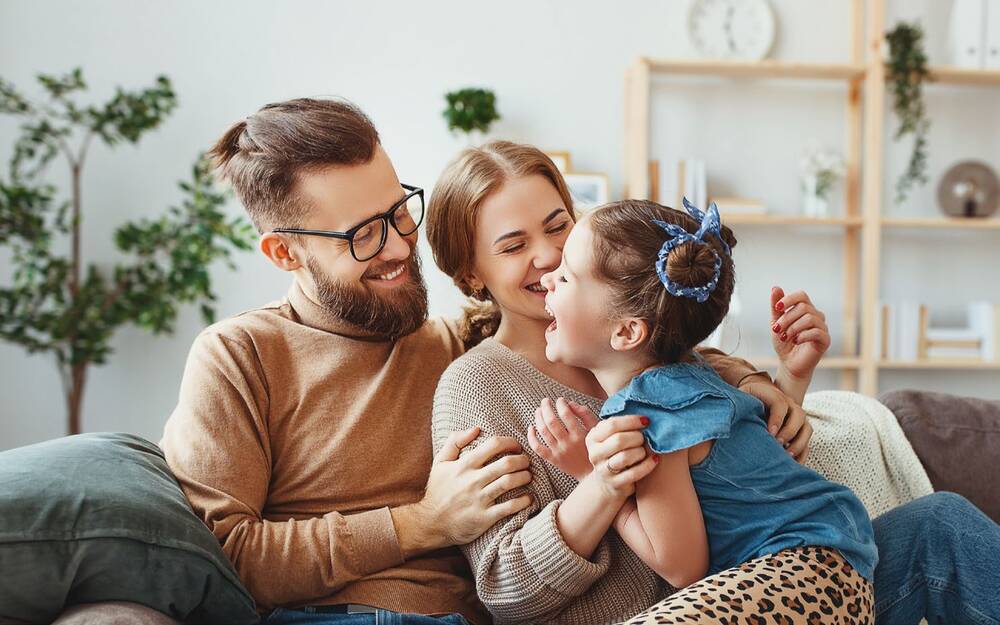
755	498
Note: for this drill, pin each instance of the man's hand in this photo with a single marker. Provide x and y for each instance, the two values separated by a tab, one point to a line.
786	420
459	503
559	436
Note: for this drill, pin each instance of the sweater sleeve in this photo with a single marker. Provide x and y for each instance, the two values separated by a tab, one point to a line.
217	444
730	368
524	570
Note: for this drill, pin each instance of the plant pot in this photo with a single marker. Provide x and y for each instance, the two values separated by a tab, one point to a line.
813	205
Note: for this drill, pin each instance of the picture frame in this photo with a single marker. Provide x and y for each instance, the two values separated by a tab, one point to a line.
587	190
561	159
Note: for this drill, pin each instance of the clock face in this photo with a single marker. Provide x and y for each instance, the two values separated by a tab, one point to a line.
731	29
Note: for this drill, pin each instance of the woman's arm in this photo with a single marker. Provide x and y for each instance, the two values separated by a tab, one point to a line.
663	524
800	338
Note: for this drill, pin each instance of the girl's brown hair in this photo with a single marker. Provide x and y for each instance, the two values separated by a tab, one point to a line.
626	247
453	213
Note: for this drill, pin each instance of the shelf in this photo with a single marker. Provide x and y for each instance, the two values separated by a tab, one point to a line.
942	222
757	69
788	220
963	76
832	362
942	363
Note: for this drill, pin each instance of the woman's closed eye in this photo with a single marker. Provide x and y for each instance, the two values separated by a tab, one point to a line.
558	229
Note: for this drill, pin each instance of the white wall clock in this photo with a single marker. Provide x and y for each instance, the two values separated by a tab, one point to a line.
731	29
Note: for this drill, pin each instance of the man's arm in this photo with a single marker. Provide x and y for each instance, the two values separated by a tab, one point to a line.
217	444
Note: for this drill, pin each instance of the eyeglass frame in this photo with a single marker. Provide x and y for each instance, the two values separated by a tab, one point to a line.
386	218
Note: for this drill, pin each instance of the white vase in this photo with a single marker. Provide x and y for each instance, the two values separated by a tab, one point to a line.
812	204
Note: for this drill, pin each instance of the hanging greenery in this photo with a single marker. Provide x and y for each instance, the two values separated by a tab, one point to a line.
471	109
907	72
57	303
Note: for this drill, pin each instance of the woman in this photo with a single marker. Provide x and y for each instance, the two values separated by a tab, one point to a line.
496	223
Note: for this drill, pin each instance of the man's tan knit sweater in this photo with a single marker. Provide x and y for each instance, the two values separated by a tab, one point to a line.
525	572
294	435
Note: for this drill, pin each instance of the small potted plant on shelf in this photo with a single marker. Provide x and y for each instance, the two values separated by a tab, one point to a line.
820	168
471	112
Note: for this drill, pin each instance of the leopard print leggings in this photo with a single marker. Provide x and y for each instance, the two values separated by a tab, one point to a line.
806	585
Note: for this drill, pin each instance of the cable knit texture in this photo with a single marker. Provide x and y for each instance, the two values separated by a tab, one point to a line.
857	442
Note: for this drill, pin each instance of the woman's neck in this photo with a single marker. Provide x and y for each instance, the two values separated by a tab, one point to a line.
527	337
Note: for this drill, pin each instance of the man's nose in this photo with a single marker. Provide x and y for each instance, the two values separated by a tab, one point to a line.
396	247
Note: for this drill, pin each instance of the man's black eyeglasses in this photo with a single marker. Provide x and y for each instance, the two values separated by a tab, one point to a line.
368	237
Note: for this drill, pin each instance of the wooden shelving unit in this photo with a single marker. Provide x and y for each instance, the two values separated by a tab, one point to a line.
863	218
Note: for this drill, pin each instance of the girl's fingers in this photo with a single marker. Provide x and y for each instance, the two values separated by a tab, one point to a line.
536	444
585	415
568	417
542	431
552	421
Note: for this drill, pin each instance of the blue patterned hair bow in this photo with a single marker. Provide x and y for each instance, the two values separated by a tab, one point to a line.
710	224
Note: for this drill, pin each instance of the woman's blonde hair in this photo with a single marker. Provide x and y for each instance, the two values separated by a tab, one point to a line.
453	214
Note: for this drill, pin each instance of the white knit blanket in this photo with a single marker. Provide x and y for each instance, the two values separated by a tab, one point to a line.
857	442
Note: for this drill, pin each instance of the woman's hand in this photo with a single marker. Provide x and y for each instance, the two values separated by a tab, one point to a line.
800	338
617	451
559	436
786	420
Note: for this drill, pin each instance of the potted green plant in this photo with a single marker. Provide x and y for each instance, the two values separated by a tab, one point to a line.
57	304
471	111
906	73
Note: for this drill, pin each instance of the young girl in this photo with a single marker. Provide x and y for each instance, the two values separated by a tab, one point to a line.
639	286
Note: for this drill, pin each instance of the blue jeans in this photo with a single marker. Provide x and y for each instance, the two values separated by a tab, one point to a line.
282	616
939	559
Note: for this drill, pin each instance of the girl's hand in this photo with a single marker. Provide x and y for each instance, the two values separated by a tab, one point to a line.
617	451
798	333
559	436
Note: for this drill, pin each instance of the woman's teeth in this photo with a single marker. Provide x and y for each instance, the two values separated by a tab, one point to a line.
392	274
536	287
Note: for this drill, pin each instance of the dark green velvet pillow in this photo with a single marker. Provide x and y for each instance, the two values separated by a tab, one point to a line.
100	517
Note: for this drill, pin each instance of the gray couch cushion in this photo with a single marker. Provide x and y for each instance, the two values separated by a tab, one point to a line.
957	440
100	517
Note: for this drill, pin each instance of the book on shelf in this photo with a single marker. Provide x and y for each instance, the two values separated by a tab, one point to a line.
904	333
692	183
738	206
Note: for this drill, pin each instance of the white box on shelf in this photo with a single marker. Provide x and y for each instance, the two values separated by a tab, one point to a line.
967	33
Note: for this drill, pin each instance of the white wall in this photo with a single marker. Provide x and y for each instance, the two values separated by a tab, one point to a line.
557	68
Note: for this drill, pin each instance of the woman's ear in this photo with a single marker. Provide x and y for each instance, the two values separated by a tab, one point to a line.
629	334
277	250
475	284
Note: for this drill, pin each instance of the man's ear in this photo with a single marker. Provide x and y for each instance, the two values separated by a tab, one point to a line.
629	334
277	250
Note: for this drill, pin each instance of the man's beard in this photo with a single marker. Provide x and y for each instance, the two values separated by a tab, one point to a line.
392	314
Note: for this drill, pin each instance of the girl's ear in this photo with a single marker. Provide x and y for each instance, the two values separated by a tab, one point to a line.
629	334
